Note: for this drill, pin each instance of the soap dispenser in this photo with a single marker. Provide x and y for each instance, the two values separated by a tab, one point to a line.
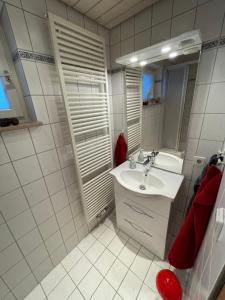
141	156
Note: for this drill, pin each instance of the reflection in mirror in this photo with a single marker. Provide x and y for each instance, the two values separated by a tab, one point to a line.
167	94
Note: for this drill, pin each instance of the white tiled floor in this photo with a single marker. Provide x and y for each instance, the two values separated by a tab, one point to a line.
106	265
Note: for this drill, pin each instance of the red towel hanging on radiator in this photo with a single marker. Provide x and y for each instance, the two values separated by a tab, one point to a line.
185	249
120	150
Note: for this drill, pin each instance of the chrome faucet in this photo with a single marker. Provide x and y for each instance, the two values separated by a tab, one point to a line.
147	164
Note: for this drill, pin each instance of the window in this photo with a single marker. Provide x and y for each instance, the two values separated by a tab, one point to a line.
147	86
11	98
4	99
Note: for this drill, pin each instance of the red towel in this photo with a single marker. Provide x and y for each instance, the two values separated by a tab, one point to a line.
185	248
120	150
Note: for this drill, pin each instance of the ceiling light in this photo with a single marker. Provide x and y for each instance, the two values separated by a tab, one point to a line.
143	63
173	54
133	59
166	49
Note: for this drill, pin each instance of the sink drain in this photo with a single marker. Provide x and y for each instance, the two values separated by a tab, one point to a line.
142	187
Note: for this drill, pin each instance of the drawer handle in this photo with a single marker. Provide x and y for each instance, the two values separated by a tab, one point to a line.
136	227
139	211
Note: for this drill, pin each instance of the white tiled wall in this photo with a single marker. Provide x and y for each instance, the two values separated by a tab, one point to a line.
41	217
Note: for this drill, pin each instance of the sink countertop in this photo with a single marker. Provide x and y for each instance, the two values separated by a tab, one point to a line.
169	188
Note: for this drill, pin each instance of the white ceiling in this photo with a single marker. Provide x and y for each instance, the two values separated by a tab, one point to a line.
109	12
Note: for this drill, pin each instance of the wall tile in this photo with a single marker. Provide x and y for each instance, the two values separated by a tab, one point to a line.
162	11
39	108
192	145
180	6
69	175
219	69
115	53
115	35
6	237
61	134
35	191
14	2
59	200
42	138
57	8
37	256
9	257
208	14
42	211
183	23
54	182
27	169
195	125
16	274
216	103
207	148
49	227
32	78
39	34
127	29
142	39
206	66
4	158
143	20
65	154
75	17
127	46
160	32
8	179
43	269
3	288
54	242
13	204
25	286
19	27
30	241
200	98
22	224
49	161
38	8
49	79
213	127
58	255
55	107
64	216
104	32
18	143
90	25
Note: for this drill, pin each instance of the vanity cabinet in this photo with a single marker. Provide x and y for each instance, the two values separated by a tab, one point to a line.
144	218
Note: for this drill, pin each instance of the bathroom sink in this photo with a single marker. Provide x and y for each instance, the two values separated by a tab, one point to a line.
137	178
157	181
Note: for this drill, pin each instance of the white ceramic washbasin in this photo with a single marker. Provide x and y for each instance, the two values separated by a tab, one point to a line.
166	161
157	182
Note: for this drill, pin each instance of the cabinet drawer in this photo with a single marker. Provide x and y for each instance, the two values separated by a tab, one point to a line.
156	203
149	240
147	219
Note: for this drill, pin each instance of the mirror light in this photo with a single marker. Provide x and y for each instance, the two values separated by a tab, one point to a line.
173	54
166	49
143	63
133	59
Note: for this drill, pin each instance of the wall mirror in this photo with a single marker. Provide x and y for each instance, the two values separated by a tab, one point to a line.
169	71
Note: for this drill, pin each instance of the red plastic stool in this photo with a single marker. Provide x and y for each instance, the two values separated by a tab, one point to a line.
168	285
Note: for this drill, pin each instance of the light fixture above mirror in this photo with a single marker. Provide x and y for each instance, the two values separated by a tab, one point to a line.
183	44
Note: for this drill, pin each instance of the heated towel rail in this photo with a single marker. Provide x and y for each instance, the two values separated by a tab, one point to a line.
133	92
81	63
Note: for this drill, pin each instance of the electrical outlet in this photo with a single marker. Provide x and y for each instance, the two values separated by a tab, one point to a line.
199	160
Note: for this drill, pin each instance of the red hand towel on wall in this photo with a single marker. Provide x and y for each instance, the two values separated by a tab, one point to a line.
120	150
185	249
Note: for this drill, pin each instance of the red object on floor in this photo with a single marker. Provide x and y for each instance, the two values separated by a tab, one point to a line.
120	150
168	285
185	249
